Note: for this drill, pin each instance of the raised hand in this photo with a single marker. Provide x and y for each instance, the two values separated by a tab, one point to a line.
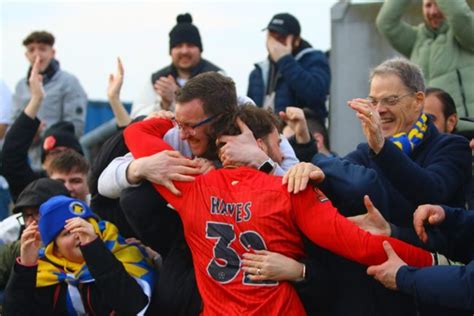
297	177
113	93
295	119
372	221
30	244
371	123
81	227
427	214
36	81
115	82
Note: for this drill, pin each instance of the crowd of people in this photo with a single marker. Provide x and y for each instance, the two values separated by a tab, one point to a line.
204	202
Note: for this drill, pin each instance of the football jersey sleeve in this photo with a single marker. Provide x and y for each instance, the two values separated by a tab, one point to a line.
144	139
322	224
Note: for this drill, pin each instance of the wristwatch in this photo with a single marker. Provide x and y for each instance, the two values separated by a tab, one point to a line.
267	166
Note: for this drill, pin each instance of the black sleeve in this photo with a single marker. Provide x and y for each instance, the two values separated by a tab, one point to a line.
120	290
436	240
317	290
108	209
20	291
304	152
18	140
155	224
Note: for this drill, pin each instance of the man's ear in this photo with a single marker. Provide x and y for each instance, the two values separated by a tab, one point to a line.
261	144
318	137
451	122
54	52
297	42
420	100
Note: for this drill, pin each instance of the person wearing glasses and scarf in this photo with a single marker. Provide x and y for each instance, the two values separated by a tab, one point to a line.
85	267
406	162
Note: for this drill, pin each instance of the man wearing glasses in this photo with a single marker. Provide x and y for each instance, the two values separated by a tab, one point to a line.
203	99
192	137
405	162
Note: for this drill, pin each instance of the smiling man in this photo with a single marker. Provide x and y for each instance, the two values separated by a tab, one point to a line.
65	99
186	62
405	162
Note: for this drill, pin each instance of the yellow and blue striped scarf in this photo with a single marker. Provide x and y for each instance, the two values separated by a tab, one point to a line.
53	270
408	141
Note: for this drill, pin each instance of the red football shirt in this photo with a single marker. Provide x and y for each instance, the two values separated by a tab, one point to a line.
228	212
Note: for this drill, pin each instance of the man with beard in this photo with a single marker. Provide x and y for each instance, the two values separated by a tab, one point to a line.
186	62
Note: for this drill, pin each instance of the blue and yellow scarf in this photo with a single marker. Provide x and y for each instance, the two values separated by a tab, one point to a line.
53	270
408	141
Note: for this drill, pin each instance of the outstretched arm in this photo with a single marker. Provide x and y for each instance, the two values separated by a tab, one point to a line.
324	226
16	168
389	22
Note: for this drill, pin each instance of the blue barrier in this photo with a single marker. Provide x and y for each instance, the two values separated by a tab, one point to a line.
99	112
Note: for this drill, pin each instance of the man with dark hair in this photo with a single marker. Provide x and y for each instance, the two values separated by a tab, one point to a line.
441	107
203	99
192	136
186	62
294	74
39	37
65	99
71	169
320	134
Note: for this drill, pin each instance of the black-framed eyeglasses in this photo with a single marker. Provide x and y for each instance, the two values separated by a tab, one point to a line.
388	101
192	127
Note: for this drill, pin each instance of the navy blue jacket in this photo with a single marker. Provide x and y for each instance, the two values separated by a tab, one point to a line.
446	285
303	81
437	171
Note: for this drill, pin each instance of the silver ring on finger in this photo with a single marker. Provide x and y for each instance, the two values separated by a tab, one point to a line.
258	271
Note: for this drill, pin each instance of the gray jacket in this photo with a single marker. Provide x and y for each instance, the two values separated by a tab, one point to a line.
65	100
